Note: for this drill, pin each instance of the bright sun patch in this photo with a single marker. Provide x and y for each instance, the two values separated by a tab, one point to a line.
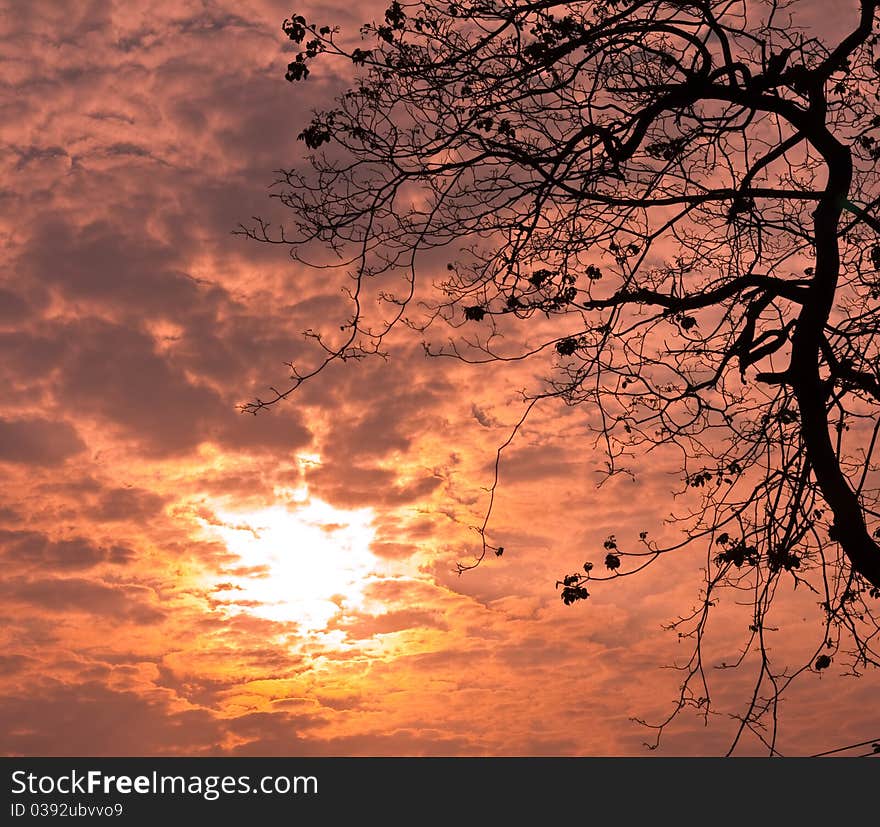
299	562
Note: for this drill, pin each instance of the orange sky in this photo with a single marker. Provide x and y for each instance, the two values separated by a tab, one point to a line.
179	578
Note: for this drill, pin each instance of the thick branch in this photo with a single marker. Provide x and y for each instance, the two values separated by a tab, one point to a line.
849	519
791	290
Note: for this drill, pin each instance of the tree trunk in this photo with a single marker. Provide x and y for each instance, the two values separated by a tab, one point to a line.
811	393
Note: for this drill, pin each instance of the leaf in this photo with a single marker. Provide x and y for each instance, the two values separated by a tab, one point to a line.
297	70
571	594
567	346
395	15
360	56
295	28
314	135
540	276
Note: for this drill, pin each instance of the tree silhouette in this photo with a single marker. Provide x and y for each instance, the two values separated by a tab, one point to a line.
681	199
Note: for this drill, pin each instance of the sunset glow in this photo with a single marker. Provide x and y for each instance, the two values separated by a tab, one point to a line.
181	577
308	560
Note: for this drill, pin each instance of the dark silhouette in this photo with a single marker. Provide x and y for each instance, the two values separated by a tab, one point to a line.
689	190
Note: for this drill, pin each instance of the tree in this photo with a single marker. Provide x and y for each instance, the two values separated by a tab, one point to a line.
681	197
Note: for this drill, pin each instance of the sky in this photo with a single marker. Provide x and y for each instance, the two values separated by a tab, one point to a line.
180	578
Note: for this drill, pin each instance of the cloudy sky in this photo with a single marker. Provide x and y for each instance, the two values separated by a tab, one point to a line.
183	579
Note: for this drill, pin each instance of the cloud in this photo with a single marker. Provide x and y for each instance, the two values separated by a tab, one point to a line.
13	308
93	719
33	549
59	595
359	626
132	325
155	402
139	390
104	266
364	485
38	441
116	504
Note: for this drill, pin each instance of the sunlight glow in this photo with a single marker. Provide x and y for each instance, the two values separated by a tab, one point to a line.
303	561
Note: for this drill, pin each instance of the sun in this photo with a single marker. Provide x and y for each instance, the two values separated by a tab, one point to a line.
300	561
